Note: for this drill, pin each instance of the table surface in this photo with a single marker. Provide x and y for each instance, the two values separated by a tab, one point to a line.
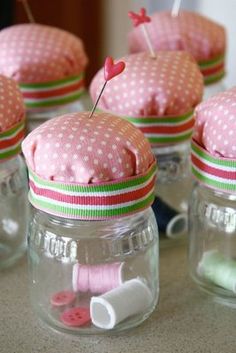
185	320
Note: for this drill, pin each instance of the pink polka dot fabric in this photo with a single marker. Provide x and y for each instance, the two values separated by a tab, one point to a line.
11	104
34	53
77	149
189	31
215	124
171	84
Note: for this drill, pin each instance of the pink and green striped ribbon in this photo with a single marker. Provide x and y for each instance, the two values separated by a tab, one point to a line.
215	172
10	141
213	70
54	93
93	201
165	130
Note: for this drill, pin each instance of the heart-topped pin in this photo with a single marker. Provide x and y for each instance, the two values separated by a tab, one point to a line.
139	18
111	70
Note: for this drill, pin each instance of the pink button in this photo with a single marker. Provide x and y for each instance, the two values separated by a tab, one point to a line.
62	298
76	317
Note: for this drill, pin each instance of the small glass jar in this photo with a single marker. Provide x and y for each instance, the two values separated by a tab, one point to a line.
212	249
13	210
214	88
38	117
174	185
80	269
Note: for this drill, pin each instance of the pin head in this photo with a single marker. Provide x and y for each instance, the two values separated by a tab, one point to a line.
111	70
139	18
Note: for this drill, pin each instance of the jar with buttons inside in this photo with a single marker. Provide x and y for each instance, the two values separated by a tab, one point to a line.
93	238
212	211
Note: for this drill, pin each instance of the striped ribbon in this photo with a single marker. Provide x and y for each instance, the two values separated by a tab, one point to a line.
54	93
216	172
10	141
165	130
93	201
213	70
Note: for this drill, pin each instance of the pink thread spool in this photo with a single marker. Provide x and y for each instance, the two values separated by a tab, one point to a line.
97	278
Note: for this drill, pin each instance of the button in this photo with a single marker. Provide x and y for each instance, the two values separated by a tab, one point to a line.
76	316
62	298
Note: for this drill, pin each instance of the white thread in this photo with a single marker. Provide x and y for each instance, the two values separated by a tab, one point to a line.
109	309
177	226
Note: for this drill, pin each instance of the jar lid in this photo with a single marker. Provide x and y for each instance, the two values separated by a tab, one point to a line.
47	62
89	168
158	95
12	118
189	31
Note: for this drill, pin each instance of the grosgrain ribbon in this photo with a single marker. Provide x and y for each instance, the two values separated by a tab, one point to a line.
216	172
54	93
165	130
93	201
10	141
213	70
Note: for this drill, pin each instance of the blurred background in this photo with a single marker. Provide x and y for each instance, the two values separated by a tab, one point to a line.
103	24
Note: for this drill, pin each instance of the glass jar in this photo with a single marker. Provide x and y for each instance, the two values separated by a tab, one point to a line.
173	187
84	274
214	88
212	249
36	118
13	210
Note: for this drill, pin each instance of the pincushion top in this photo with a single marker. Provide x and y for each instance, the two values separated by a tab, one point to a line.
47	62
213	152
12	118
158	94
89	168
215	125
189	31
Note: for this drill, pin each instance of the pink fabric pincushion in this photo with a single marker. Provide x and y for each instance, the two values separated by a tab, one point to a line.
215	125
12	118
214	147
189	31
89	168
47	62
170	85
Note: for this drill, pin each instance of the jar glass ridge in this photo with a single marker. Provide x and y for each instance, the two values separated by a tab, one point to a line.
13	210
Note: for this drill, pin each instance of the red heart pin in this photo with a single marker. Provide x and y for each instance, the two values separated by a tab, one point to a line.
139	18
111	70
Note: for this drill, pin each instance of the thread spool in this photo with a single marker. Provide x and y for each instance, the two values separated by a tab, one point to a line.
131	298
97	278
169	221
218	269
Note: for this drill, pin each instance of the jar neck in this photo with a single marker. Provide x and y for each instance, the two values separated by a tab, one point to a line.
121	222
216	193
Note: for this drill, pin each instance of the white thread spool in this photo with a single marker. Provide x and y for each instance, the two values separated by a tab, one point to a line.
131	298
218	269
